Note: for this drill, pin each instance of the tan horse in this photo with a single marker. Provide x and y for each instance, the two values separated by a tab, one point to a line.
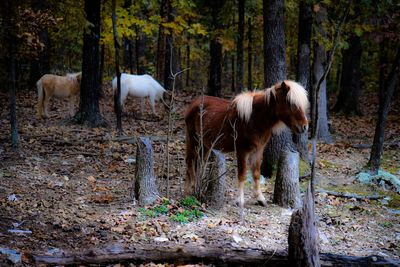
50	85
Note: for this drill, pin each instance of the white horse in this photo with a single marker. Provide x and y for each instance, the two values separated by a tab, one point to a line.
140	86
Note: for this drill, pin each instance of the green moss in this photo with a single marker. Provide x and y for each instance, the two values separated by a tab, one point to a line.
394	201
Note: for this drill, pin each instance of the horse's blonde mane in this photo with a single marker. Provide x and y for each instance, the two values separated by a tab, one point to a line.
73	76
244	104
297	96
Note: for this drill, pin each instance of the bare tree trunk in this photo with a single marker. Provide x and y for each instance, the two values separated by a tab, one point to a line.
215	67
145	189
320	62
233	86
8	12
215	190
250	56
304	44
303	235
274	71
349	94
385	96
239	51
117	95
188	64
101	74
89	110
287	190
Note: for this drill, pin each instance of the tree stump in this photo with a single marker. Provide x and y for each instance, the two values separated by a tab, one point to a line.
211	188
287	191
303	235
215	188
145	189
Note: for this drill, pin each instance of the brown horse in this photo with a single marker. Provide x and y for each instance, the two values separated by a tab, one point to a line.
50	85
244	126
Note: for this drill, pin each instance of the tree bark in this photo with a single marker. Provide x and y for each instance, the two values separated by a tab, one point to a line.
287	190
224	255
385	97
320	61
250	56
274	71
140	45
215	190
349	94
11	43
187	83
40	65
117	95
89	111
303	235
145	189
304	44
215	67
239	51
274	42
101	72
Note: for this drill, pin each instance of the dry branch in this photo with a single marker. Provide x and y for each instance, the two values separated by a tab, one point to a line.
349	195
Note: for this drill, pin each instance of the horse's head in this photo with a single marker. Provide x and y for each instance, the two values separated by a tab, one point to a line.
291	104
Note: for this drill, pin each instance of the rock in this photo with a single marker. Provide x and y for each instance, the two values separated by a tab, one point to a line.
161	239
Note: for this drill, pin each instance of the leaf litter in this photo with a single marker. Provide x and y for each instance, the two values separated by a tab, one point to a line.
70	187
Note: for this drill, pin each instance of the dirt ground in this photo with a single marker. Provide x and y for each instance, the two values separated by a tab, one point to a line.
70	186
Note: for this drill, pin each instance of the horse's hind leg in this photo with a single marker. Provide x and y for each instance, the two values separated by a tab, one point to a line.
46	104
255	161
191	161
241	161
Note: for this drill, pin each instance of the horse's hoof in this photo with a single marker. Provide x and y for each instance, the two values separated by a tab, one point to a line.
238	204
262	203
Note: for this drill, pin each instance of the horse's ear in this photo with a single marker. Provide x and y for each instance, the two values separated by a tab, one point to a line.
284	88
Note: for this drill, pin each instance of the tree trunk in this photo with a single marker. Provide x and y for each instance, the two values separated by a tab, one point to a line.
89	111
349	95
287	190
304	44
385	97
215	67
101	73
10	40
320	61
169	51
250	57
161	42
215	190
140	43
40	65
117	95
187	64
145	189
274	42
274	71
304	66
233	86
303	235
239	51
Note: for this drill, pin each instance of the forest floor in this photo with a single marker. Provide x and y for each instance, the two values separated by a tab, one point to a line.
69	186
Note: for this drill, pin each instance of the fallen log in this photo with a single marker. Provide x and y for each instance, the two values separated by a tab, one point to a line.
225	255
349	195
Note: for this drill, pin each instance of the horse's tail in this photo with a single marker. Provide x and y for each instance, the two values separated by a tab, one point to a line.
41	96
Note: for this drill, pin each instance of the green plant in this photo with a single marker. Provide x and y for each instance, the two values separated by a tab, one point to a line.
189	202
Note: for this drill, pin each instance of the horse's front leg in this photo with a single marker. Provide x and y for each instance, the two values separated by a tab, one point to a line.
71	106
255	170
241	162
